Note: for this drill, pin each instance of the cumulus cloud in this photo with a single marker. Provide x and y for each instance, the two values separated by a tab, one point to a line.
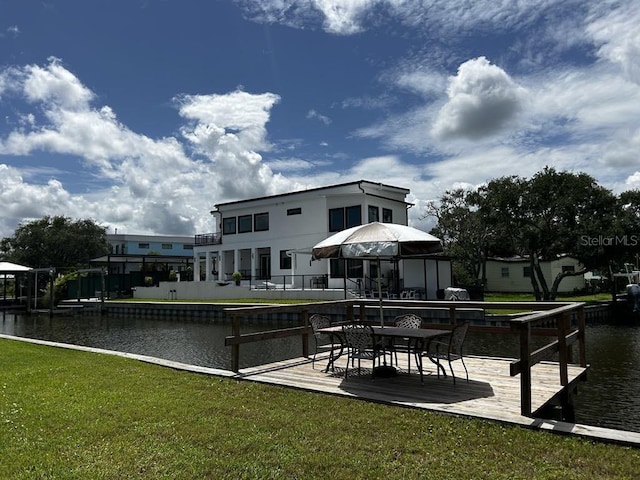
148	185
482	99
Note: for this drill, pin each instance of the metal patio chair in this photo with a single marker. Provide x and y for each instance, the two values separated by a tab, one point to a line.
450	351
361	345
409	320
317	322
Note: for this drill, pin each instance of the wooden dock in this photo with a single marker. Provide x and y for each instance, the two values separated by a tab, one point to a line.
491	393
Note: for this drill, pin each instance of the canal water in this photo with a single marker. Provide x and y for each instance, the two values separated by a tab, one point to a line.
609	398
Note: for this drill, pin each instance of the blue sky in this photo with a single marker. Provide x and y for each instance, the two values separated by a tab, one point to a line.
142	114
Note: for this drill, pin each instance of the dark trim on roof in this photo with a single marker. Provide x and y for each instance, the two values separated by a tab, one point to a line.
359	182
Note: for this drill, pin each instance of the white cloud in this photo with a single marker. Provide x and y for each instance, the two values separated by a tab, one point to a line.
314	115
346	17
482	100
616	34
154	185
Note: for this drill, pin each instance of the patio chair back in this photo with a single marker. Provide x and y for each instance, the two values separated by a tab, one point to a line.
360	345
317	322
358	337
458	334
409	320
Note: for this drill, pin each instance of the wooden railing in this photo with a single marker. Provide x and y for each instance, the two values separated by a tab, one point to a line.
562	320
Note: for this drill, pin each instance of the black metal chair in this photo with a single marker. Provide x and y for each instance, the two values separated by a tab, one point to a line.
450	351
408	320
317	322
361	345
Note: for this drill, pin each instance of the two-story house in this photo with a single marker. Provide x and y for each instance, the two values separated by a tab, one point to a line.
269	239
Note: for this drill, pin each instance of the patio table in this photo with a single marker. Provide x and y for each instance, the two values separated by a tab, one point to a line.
416	336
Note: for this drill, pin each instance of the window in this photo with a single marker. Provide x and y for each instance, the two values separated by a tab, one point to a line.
143	245
387	215
505	272
568	269
341	218
526	272
285	260
336	219
228	225
294	211
261	222
187	246
167	246
245	223
354	268
354	216
374	214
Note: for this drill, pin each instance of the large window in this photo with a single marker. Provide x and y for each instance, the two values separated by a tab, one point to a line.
374	214
143	245
245	223
355	268
504	271
261	222
387	215
354	216
167	246
336	219
526	272
285	260
228	225
347	217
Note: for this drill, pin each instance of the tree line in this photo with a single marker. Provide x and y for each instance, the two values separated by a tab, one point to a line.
553	213
55	241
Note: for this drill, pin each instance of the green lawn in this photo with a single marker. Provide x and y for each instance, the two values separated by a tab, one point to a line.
528	297
67	414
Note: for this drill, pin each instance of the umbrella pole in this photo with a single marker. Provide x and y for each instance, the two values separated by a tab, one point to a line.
380	295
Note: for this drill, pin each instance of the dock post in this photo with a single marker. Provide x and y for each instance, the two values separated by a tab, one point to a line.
525	369
563	354
305	336
235	348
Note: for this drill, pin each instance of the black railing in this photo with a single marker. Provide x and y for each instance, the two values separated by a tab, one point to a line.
208	239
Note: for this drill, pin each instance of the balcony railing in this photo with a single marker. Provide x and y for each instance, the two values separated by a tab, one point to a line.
208	239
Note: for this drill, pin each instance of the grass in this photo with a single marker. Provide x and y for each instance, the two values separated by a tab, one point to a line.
223	300
67	414
528	297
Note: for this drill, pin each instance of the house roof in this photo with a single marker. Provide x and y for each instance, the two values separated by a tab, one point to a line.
13	267
318	189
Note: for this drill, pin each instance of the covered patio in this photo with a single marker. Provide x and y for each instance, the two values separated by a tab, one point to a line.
14	279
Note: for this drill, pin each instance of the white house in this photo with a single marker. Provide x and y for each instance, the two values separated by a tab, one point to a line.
513	274
269	240
127	252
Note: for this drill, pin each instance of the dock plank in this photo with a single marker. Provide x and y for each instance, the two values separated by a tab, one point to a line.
491	393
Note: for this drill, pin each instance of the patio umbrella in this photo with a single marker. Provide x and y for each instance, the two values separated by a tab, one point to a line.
375	241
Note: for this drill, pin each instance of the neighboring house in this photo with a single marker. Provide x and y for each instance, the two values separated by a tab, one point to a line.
269	240
133	257
514	274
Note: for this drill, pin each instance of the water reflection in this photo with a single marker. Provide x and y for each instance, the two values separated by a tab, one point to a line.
610	397
182	341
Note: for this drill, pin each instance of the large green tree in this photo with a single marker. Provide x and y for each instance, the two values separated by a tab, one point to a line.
464	234
551	214
55	242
